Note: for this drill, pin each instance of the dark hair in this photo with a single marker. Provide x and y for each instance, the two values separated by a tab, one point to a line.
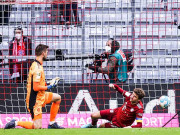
40	49
140	92
114	45
18	28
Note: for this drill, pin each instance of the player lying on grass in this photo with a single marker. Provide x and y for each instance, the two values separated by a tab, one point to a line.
124	116
37	97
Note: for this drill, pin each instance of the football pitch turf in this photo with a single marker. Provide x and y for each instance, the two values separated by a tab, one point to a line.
92	131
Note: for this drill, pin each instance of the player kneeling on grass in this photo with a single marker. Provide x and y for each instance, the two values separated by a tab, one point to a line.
124	116
37	97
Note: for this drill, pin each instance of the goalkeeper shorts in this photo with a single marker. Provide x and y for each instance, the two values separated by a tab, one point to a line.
36	112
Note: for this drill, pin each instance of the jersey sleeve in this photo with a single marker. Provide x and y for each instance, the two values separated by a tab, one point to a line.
126	94
123	92
139	115
36	73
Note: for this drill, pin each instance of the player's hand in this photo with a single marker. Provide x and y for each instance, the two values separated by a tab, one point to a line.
128	127
53	83
112	86
51	86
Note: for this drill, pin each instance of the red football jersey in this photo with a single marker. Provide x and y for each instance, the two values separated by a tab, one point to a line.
127	113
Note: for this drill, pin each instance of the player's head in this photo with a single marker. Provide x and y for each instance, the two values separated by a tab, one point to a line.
112	45
41	50
137	95
18	32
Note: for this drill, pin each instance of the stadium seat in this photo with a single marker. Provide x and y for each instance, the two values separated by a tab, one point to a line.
104	20
4	74
68	75
63	64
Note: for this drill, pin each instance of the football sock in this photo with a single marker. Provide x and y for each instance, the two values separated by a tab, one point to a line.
25	124
54	110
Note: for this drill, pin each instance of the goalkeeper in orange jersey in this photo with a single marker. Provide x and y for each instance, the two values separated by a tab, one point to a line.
37	97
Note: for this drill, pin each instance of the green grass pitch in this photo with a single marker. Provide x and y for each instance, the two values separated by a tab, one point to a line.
92	131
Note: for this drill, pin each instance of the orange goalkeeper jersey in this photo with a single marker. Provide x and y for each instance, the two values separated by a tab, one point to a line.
36	74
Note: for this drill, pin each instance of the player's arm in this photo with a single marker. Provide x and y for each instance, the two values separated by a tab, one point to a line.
36	81
139	124
139	115
138	120
38	87
120	90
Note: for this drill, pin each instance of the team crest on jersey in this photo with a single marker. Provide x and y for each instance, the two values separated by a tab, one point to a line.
132	110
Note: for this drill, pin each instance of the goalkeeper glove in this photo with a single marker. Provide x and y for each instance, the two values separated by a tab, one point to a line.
53	83
50	87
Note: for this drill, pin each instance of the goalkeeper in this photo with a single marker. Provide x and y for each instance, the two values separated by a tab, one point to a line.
37	97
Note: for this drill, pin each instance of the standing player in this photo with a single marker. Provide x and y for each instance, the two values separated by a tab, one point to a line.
37	97
124	116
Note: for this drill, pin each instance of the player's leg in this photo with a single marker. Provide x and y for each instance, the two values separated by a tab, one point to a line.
103	114
94	116
13	123
36	115
108	125
110	115
56	100
36	124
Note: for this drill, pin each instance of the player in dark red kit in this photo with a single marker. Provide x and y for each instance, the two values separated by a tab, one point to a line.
124	116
